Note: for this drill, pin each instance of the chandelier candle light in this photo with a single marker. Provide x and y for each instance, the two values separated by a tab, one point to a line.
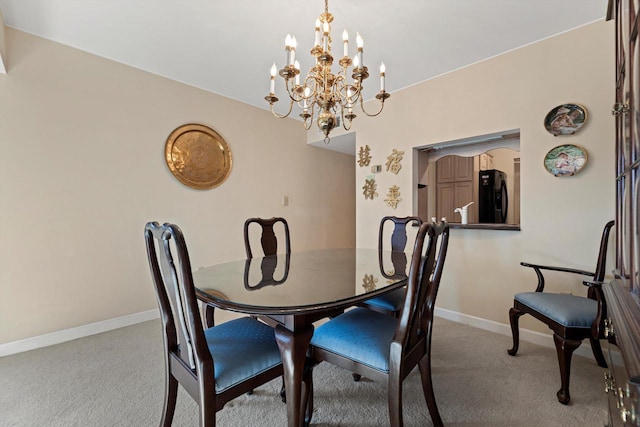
329	93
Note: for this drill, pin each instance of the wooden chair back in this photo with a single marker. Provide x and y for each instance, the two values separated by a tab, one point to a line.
398	244
399	233
269	241
601	267
185	346
416	318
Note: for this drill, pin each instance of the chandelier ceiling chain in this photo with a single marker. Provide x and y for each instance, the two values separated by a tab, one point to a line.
322	91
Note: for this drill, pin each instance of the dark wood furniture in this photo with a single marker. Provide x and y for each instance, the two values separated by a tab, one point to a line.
393	302
385	348
320	284
269	243
572	318
213	365
623	293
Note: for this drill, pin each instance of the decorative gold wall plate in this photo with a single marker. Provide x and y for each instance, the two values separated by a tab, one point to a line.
198	156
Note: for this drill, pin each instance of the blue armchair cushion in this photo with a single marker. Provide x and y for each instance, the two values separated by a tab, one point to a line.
567	310
241	348
360	334
392	301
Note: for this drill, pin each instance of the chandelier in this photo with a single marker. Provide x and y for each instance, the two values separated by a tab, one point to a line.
322	91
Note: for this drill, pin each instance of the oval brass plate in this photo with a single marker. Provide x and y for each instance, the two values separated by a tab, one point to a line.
198	156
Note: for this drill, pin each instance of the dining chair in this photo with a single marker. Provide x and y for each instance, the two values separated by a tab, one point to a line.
268	242
392	302
572	318
213	365
386	348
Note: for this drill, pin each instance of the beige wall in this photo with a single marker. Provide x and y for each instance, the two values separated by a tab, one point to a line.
82	170
561	217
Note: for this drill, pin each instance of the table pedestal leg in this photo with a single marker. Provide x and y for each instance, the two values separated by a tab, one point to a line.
293	349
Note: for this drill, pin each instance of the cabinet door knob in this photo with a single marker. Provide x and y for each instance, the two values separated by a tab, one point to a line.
609	382
627	403
619	108
608	328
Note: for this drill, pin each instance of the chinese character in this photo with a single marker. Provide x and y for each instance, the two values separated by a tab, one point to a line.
393	161
363	156
370	189
393	197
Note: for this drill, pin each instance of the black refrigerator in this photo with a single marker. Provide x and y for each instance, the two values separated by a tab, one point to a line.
493	200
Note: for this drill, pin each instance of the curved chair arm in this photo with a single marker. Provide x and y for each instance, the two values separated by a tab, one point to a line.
538	269
593	284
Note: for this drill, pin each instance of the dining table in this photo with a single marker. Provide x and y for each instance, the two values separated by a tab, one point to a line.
292	291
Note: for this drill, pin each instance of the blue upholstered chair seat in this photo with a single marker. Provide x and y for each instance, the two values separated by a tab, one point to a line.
360	334
567	310
391	301
241	348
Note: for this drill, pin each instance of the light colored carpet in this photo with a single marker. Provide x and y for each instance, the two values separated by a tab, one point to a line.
116	379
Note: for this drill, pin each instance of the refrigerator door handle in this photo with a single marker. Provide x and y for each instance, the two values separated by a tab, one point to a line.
505	201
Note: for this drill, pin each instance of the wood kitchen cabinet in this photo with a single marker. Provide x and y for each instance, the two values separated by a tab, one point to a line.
455	184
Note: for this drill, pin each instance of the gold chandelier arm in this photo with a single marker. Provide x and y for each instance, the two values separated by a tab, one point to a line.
381	96
348	99
344	123
341	86
308	117
281	116
296	93
307	124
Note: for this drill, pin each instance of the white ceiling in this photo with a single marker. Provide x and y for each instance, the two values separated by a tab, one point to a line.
227	46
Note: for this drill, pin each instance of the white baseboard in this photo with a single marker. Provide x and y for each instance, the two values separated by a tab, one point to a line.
53	338
544	340
75	333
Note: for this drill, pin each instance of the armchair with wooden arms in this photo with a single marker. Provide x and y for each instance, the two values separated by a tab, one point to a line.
572	318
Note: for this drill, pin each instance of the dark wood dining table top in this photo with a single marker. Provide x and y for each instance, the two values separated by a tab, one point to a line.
314	280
